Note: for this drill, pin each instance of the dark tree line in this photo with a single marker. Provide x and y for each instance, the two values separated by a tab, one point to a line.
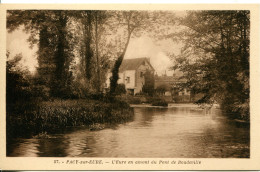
62	35
53	31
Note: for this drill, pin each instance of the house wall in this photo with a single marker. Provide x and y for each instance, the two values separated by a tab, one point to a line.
131	75
123	79
140	78
136	80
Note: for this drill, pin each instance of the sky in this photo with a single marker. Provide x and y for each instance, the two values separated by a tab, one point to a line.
147	47
143	46
17	43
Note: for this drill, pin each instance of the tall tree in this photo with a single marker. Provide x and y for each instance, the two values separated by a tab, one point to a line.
62	56
37	24
90	36
215	58
149	82
48	29
134	22
101	28
88	23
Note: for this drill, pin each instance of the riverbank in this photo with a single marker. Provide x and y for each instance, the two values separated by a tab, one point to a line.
29	119
157	99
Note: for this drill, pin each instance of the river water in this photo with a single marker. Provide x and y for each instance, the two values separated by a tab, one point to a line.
179	131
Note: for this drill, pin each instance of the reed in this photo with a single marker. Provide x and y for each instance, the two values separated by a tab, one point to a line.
49	116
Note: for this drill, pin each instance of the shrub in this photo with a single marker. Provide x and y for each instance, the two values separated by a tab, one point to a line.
132	99
159	102
120	89
18	86
135	100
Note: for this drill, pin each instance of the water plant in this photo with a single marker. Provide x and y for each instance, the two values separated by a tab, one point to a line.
49	116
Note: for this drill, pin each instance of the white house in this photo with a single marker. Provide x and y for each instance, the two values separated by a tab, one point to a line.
131	73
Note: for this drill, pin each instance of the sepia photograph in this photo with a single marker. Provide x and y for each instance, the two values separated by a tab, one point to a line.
106	83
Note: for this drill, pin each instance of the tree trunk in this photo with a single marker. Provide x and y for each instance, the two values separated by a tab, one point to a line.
88	52
62	68
97	54
43	58
115	77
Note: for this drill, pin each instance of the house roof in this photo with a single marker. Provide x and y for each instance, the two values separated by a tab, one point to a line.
169	79
133	64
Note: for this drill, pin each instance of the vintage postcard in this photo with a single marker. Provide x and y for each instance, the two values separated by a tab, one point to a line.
130	87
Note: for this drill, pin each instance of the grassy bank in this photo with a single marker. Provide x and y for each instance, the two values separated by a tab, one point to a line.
29	119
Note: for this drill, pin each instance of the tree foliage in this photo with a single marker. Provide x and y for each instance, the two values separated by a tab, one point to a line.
149	81
215	58
17	82
161	89
48	30
60	36
92	51
133	23
120	89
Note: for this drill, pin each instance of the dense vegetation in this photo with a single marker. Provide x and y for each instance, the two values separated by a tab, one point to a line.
74	55
29	112
50	116
77	48
215	58
149	80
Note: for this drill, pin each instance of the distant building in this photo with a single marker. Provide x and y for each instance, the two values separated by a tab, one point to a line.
167	86
131	74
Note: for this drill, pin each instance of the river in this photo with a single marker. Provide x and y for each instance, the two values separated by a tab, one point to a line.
179	131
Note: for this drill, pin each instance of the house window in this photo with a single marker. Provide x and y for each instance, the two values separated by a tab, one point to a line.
141	74
128	79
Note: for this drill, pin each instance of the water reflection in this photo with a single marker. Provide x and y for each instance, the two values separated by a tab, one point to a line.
155	132
144	116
